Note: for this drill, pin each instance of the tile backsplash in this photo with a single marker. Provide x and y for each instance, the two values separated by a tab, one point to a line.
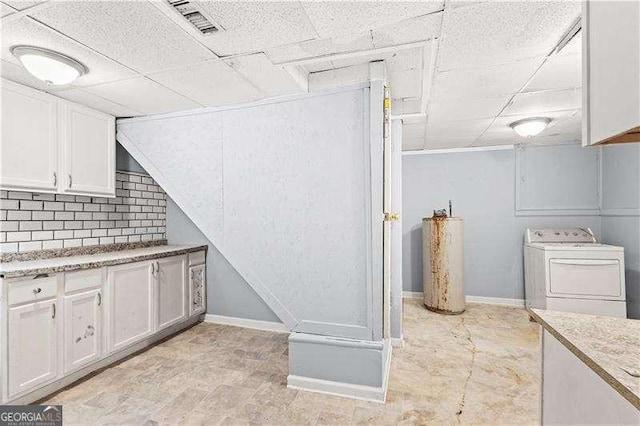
33	221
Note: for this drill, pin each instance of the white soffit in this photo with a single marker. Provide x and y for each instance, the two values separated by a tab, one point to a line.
255	26
459	109
135	34
143	95
26	31
341	77
483	82
271	79
97	102
404	84
405	106
351	18
539	102
212	83
414	130
559	72
493	33
412	144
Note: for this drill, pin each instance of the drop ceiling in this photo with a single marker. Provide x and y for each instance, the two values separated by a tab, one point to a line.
459	71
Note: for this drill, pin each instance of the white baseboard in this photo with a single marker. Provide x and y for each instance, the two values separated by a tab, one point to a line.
247	323
515	303
365	393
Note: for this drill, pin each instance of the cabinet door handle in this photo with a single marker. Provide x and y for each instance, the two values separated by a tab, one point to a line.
158	267
99	299
55	179
54	311
37	290
70	181
191	273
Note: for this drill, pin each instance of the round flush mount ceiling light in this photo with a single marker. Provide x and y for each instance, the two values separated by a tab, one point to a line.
49	66
529	127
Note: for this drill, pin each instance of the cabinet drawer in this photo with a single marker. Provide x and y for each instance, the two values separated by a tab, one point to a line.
81	280
32	290
196	258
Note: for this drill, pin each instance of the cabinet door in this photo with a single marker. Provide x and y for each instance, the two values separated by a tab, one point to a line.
130	304
82	329
89	150
32	352
171	281
197	289
29	141
610	70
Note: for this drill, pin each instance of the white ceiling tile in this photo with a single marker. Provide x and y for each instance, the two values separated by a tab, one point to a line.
449	142
350	18
142	95
340	77
500	32
212	83
502	124
537	102
135	34
412	144
466	109
315	48
271	79
559	72
96	102
255	26
469	129
408	31
29	32
574	46
5	10
484	82
405	84
400	60
21	5
413	130
318	66
497	138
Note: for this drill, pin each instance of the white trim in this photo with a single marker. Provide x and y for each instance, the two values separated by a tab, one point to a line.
247	323
328	387
501	301
625	211
458	150
353	54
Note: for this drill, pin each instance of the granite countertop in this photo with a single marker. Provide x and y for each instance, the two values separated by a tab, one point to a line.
97	260
609	346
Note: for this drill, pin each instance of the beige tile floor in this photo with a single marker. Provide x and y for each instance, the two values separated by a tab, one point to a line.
477	368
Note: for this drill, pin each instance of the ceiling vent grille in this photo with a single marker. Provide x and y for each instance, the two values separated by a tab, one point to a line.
194	16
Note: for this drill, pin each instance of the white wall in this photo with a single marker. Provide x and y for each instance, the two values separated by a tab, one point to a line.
482	186
621	212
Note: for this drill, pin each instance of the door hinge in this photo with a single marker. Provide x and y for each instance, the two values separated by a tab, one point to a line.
391	217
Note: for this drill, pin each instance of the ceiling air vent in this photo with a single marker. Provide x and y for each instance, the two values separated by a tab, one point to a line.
194	16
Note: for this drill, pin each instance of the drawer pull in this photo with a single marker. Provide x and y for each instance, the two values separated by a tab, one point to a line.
37	290
99	299
54	311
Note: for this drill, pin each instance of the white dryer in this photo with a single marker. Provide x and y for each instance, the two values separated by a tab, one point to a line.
568	270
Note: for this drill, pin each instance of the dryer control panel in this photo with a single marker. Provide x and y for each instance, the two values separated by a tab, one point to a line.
559	235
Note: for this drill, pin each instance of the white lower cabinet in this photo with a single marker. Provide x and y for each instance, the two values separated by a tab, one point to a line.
131	303
82	329
107	313
33	342
172	290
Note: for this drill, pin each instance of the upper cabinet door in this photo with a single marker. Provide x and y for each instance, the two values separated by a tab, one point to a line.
611	72
28	148
89	151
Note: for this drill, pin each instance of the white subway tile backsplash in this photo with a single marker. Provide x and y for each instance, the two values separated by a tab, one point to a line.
34	221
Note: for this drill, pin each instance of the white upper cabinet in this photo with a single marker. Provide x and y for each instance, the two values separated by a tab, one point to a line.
29	144
89	156
611	72
52	145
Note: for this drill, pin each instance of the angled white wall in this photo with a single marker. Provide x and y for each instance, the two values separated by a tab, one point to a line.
282	189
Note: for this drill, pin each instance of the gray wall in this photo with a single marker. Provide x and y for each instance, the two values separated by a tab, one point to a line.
482	186
228	293
621	212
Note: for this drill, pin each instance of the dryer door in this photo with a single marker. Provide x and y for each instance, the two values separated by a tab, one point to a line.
592	278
